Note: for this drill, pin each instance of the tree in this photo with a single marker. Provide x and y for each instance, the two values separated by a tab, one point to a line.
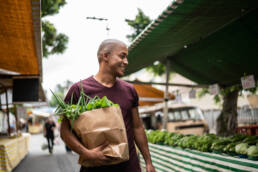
60	91
138	24
53	42
226	123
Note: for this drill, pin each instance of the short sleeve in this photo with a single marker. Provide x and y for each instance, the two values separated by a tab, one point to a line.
74	93
135	97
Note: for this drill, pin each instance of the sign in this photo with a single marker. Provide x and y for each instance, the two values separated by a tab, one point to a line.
21	112
178	98
248	82
214	89
192	94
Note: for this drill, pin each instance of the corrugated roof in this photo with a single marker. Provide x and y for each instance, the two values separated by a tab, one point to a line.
202	39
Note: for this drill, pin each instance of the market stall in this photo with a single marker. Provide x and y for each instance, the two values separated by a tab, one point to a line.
20	75
166	158
12	151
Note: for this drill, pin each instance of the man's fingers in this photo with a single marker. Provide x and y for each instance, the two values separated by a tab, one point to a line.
108	158
103	146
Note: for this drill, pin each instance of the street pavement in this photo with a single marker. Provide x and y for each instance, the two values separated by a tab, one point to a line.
38	160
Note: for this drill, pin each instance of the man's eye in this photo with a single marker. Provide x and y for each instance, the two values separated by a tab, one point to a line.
123	56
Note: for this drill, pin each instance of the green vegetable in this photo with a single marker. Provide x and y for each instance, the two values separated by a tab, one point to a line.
252	151
85	103
242	148
174	139
220	144
204	143
230	147
250	140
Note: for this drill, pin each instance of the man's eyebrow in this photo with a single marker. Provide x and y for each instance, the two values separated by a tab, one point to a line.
123	53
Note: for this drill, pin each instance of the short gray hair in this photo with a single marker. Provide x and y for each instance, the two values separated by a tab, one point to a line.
107	46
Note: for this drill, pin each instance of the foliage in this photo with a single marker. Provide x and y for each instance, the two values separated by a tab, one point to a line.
157	69
53	102
52	42
202	92
204	143
51	7
233	145
85	103
60	90
226	90
138	24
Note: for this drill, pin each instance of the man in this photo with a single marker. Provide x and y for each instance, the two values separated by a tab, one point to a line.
112	56
48	131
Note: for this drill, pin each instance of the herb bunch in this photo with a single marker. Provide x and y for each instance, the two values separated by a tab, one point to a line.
85	103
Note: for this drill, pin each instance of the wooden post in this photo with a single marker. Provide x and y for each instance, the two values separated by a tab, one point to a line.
165	110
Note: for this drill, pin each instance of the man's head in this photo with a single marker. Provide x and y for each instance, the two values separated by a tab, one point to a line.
112	56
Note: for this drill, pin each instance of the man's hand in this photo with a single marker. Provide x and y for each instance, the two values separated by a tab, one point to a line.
150	168
96	155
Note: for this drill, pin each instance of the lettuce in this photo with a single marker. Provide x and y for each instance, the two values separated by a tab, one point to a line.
252	151
241	148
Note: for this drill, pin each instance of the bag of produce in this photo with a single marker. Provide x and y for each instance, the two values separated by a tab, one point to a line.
96	121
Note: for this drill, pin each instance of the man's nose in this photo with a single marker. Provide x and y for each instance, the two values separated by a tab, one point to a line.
125	61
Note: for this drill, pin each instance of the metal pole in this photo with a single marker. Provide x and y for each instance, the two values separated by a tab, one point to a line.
165	110
16	119
169	84
7	111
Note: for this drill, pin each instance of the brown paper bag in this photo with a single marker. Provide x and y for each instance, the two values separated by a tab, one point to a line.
97	126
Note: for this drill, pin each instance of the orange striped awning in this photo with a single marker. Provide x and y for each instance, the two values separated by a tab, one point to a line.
149	95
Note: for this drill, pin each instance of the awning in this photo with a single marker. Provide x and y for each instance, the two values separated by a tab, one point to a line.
20	45
149	95
205	41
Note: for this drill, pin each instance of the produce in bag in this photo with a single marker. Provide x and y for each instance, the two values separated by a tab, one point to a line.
96	121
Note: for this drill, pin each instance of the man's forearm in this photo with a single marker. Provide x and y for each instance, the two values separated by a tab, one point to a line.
70	140
142	143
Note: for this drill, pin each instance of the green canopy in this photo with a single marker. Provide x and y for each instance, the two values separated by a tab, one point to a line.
205	41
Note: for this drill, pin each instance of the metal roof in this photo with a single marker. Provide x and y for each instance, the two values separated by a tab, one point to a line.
205	41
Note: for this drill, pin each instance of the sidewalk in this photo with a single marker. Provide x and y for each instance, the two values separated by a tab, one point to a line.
41	161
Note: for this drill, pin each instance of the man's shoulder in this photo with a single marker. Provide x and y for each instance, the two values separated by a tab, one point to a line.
125	84
80	83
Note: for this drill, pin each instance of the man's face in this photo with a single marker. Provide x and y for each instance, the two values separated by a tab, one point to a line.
118	60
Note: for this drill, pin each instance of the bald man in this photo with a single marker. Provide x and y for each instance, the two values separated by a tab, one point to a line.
112	56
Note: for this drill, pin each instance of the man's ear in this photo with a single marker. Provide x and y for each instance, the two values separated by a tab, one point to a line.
105	56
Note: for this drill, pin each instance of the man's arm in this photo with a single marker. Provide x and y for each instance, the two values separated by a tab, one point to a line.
73	143
141	139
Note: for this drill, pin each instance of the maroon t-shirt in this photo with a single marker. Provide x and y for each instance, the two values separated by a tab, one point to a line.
121	93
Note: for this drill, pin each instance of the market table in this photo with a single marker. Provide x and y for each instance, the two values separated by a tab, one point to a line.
166	158
248	130
12	151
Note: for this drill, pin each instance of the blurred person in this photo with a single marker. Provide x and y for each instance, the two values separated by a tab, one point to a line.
49	133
